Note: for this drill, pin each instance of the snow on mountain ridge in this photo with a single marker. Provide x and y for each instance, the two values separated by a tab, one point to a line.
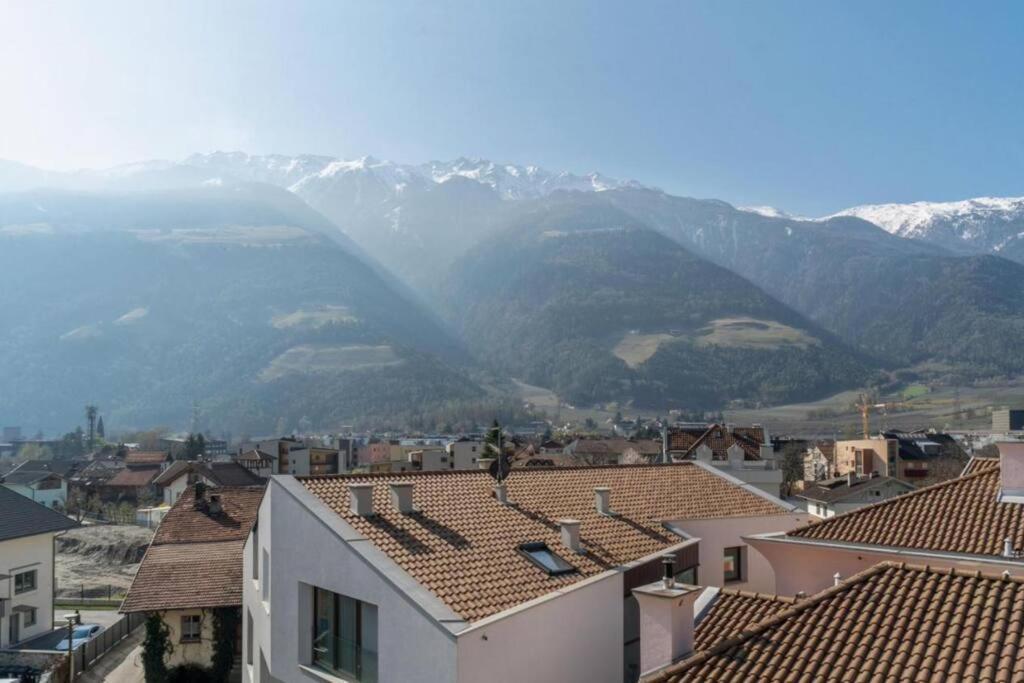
921	219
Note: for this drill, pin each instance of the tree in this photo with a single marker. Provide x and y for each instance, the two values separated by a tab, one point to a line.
33	451
91	413
792	467
100	431
493	440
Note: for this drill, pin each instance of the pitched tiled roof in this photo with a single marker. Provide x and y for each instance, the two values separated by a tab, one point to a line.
181	576
976	464
195	559
255	455
890	622
146	457
219	473
134	477
958	516
719	439
733	611
188	523
462	545
21	516
840	488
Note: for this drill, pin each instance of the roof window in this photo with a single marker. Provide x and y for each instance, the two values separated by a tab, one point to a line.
542	556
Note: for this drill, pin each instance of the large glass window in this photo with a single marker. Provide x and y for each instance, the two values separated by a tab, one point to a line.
25	582
344	636
733	564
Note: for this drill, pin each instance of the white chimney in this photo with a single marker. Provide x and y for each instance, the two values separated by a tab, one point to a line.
571	534
501	493
1008	550
360	499
837	578
603	499
1011	472
666	623
401	496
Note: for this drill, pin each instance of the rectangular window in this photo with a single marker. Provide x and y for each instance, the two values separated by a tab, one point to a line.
344	636
545	558
733	564
255	552
265	584
25	582
191	628
30	618
248	638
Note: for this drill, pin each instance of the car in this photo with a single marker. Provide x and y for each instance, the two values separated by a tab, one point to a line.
81	634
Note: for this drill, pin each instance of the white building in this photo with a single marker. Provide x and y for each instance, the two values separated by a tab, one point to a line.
46	488
445	576
27	530
463	453
835	496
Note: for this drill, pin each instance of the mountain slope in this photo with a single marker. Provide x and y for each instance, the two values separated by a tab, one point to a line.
143	302
580	297
973	226
904	301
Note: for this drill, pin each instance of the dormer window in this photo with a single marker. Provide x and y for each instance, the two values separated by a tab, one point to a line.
545	558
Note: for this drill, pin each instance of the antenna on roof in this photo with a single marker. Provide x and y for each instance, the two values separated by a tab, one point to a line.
500	468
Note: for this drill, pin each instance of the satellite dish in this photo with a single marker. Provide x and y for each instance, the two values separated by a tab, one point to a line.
500	468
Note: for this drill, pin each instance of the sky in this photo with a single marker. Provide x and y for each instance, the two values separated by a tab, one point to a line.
807	106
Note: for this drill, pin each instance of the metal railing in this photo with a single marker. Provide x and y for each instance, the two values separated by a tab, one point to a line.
86	654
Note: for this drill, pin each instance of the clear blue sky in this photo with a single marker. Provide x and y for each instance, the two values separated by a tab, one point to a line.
809	106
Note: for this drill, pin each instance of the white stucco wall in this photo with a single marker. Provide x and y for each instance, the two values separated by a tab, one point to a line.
24	554
576	636
810	568
51	498
200	653
718	534
304	551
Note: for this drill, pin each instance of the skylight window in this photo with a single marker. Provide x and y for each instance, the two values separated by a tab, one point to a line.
542	556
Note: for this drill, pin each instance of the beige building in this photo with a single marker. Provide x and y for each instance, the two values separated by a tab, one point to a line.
193	569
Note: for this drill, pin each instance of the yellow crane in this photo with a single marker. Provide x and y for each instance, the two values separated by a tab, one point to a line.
865	412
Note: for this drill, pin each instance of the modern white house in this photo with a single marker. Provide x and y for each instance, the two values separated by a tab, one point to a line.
27	531
450	576
972	523
46	488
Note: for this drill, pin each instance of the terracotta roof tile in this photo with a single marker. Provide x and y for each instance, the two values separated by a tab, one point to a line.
195	559
134	477
890	622
958	516
462	545
733	611
146	457
719	439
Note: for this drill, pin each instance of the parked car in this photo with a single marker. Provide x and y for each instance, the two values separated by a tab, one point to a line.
82	634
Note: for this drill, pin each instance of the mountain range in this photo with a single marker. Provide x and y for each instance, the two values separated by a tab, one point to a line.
337	291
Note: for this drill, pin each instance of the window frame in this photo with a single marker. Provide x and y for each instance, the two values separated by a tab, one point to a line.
34	573
736	553
563	566
332	660
30	618
197	619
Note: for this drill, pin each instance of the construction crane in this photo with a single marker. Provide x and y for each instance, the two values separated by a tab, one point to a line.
865	412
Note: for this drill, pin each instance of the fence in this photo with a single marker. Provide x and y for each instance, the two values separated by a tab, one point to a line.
85	655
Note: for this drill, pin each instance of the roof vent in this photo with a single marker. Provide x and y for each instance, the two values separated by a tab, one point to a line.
501	493
668	563
1008	550
603	500
401	496
571	534
837	579
360	498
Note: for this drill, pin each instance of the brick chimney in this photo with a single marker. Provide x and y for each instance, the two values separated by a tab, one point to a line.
666	621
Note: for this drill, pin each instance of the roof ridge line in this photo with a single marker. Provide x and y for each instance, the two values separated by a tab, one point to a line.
889	501
774	597
451	473
762	626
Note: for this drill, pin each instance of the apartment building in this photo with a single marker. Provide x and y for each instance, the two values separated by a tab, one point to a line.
27	531
974	523
431	576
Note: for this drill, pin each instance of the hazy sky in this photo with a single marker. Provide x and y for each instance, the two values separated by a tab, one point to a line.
810	106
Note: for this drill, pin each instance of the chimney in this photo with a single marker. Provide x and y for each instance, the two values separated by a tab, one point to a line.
664	445
401	496
215	507
851	478
837	579
501	493
1008	550
360	498
571	534
666	622
668	564
603	499
1011	472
